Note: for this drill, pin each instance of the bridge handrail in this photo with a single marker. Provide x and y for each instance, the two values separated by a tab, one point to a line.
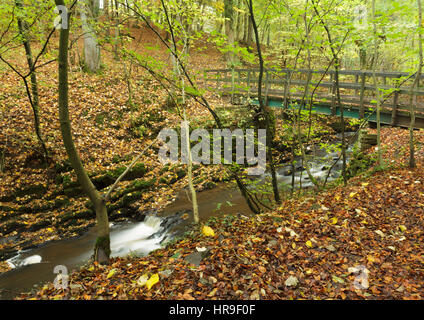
369	73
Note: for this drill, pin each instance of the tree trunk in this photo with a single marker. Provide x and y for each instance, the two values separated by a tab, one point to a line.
377	91
413	98
229	30
266	113
337	86
33	94
91	46
102	246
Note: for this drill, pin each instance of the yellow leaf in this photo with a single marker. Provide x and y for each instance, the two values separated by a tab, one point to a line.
402	228
309	244
256	239
333	220
212	293
111	273
152	281
352	194
370	258
364	184
208	231
49	229
294	245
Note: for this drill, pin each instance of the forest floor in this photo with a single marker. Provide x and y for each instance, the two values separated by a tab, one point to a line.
308	248
311	247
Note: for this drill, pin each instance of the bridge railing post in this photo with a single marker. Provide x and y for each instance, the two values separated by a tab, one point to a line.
286	88
362	96
394	110
232	83
248	85
266	87
333	96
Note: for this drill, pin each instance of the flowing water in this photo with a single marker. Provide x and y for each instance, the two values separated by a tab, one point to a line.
35	266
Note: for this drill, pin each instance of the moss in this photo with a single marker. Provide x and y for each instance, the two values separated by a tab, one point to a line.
104	244
104	180
130	198
58	179
6	208
36	189
61	202
24	209
66	180
138	171
7	198
49	205
82	214
73	192
165	168
139	185
65	216
12	226
64	166
359	163
209	185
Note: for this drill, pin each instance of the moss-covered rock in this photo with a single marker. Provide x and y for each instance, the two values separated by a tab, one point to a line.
11	226
6	208
73	192
39	225
81	214
359	163
130	198
61	201
31	190
64	166
209	185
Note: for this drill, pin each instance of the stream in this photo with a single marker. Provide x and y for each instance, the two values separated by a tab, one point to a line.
35	266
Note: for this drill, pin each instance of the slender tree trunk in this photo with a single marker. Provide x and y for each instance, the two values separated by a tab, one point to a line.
413	98
33	94
186	126
102	246
264	109
377	91
190	168
117	32
89	12
337	85
229	30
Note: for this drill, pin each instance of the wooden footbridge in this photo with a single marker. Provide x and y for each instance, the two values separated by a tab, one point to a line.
289	89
